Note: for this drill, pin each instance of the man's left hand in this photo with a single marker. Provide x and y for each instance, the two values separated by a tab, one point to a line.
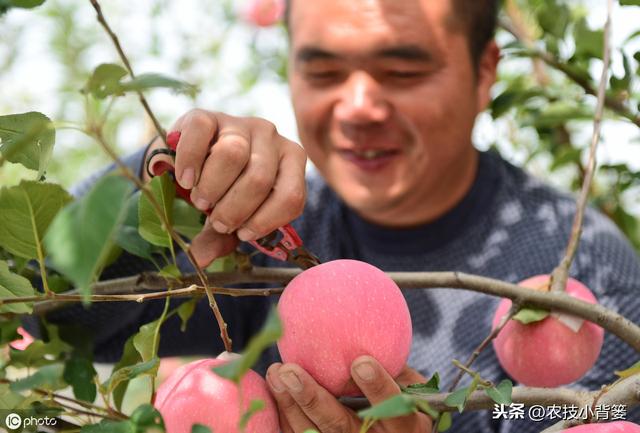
303	404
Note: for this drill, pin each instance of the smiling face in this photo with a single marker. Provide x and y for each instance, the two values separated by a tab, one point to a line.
385	95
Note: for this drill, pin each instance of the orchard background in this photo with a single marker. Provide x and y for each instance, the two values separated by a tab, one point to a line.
541	118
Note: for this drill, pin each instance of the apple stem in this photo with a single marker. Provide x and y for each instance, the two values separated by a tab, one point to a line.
561	272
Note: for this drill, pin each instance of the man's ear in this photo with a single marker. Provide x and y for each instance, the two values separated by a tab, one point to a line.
487	72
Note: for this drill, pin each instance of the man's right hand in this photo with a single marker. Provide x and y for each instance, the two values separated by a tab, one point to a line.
251	178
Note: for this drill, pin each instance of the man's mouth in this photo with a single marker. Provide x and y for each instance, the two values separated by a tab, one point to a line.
370	159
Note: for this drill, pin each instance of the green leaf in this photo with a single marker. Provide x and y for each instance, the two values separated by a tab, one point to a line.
125	374
445	421
48	377
530	315
143	340
457	398
147	418
398	405
25	4
255	406
14	286
82	234
589	43
109	427
199	428
188	219
170	271
226	263
566	156
268	335
128	237
622	84
105	80
9	330
634	369
629	2
27	139
501	394
79	373
8	398
185	311
27	211
151	80
559	113
554	18
130	356
151	227
431	387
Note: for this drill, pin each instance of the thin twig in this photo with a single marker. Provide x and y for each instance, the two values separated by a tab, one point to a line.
116	42
561	273
224	334
111	412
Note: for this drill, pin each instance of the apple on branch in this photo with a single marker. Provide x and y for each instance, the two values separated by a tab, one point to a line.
554	351
194	394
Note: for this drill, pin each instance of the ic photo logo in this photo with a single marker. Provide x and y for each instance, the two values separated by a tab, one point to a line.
13	421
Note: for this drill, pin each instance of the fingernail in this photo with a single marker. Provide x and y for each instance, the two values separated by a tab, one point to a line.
188	178
365	371
219	227
275	384
202	204
291	381
244	234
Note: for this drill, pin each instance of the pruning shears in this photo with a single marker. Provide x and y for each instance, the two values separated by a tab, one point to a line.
282	244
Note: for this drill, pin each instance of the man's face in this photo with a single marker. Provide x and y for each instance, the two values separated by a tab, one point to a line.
385	96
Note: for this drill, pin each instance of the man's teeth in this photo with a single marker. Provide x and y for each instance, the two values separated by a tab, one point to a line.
370	154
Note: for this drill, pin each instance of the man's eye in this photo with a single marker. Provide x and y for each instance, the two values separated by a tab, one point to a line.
326	75
406	74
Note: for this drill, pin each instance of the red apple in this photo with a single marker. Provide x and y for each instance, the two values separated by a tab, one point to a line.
338	311
194	394
264	13
555	351
609	427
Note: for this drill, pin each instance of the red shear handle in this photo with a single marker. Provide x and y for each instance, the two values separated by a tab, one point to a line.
279	248
160	167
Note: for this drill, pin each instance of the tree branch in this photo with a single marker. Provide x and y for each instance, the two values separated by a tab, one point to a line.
611	321
624	392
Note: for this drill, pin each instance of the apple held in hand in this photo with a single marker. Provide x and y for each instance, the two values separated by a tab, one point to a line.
334	312
194	394
609	427
555	351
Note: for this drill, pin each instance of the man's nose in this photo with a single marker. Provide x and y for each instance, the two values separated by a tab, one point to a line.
361	100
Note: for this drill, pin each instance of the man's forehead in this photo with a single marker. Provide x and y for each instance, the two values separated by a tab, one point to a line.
359	22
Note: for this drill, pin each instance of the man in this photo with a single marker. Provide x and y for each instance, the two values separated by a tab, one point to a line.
385	95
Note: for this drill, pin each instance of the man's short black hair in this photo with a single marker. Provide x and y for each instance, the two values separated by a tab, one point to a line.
478	18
